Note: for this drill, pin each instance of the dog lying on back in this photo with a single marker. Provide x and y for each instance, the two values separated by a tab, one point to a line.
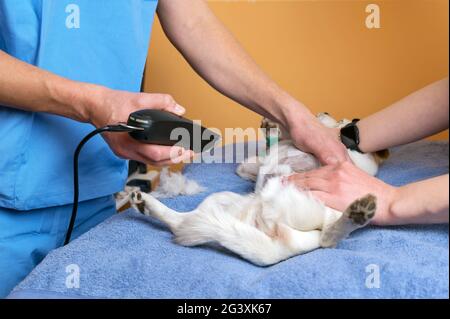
275	222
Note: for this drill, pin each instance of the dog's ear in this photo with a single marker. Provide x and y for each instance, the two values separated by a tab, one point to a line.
269	124
381	156
326	119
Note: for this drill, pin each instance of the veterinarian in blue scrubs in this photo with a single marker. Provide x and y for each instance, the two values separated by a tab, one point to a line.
74	39
69	65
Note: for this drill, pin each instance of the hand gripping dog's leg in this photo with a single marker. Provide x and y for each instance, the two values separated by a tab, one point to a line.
357	215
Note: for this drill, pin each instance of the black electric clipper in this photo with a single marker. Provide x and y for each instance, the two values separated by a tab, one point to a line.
164	128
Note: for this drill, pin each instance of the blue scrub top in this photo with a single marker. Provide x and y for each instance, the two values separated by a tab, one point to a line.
103	42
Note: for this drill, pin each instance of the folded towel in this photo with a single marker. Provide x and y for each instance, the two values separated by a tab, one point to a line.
133	256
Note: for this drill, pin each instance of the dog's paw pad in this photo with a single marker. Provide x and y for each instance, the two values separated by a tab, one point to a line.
362	210
137	201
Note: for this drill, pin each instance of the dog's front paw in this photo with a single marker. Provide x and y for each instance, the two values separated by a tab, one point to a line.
137	202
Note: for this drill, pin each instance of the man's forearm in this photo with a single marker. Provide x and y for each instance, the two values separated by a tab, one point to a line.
29	88
421	114
218	57
424	202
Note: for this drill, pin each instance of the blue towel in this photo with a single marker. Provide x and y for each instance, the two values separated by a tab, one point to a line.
133	256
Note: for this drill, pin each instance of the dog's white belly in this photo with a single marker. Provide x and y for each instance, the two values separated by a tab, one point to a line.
297	209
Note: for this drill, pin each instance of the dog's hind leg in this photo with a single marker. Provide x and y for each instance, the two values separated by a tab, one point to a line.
150	206
214	224
356	216
245	240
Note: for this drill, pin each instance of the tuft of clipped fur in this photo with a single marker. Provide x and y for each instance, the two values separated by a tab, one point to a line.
172	184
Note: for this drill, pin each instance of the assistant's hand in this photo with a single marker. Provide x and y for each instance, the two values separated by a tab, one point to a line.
311	136
339	185
113	106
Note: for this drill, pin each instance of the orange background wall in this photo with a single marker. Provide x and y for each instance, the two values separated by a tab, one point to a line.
319	51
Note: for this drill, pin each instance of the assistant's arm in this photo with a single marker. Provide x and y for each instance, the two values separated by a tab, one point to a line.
421	114
218	57
424	202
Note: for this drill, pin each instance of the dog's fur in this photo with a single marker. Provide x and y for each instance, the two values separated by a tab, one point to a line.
277	221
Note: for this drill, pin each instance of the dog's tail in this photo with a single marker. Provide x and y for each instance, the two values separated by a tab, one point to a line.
236	236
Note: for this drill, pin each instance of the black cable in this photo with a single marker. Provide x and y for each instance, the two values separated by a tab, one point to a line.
109	128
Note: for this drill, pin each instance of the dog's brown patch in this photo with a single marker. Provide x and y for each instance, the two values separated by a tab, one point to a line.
381	156
141	207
